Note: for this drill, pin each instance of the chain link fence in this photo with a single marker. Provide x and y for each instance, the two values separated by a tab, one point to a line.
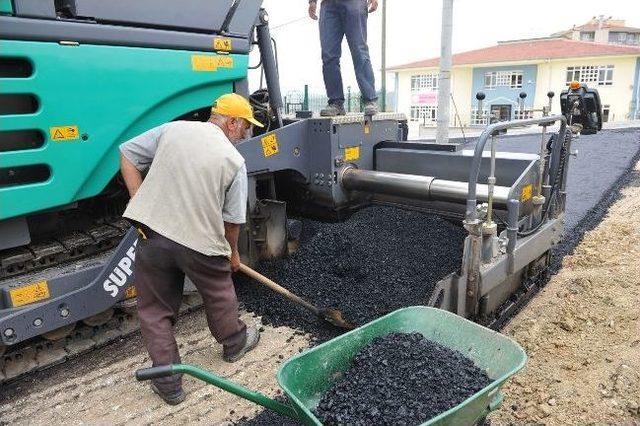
302	100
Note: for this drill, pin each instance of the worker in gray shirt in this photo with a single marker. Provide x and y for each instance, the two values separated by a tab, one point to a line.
189	209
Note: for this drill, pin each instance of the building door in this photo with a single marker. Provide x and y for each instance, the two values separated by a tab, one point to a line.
501	112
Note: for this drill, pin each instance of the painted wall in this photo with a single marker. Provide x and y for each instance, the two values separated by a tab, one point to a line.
462	90
403	96
538	79
461	82
635	96
505	95
552	76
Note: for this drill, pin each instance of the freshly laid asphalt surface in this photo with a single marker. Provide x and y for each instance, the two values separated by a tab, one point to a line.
601	159
400	379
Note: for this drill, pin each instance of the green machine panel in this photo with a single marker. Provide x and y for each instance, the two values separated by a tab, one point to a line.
66	107
6	7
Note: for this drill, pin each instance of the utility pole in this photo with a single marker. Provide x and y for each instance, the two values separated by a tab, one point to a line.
383	80
444	78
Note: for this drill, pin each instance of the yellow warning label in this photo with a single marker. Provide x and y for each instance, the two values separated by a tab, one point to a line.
130	292
210	63
29	293
270	145
351	153
526	193
223	44
225	62
64	133
203	63
366	129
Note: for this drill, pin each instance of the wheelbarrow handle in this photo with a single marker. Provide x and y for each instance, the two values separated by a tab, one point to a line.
219	382
154	372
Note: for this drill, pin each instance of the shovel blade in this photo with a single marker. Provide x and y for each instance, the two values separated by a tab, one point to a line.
335	317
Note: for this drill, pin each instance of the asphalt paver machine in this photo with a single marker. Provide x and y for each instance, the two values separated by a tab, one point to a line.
79	77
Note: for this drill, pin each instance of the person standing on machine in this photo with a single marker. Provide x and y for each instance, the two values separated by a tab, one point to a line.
189	209
340	18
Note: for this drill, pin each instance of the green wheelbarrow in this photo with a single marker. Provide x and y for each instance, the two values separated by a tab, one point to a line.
307	376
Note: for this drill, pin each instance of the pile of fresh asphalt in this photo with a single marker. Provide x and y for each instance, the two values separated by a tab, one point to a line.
380	259
400	379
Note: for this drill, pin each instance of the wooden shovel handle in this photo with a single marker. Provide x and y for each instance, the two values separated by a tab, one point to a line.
277	288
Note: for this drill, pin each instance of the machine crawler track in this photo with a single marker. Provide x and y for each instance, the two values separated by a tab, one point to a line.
62	249
39	353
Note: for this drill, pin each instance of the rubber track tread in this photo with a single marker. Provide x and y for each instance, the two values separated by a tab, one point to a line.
39	354
73	246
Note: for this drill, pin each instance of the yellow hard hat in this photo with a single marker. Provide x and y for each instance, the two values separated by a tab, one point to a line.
234	105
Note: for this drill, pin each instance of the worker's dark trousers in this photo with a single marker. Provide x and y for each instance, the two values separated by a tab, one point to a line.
340	18
160	268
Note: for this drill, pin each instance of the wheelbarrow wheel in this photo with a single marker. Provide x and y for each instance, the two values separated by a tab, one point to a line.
483	422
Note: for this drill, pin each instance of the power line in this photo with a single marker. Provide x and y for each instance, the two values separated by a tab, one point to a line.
289	22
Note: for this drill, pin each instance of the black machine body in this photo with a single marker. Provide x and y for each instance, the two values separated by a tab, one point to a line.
581	105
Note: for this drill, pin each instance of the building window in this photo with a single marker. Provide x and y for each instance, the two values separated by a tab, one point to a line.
424	82
523	115
511	79
587	35
600	74
479	117
426	114
618	37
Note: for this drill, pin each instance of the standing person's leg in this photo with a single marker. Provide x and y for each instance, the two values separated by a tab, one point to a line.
159	283
212	277
355	25
331	35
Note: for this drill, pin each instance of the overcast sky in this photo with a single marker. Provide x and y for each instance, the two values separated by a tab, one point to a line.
413	31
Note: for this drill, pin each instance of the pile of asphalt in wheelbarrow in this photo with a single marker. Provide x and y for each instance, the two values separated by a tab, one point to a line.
379	260
400	379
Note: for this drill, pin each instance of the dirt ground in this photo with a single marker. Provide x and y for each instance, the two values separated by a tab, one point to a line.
582	332
109	394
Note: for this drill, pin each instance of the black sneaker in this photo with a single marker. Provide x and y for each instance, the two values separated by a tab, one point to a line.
332	110
253	337
171	398
371	108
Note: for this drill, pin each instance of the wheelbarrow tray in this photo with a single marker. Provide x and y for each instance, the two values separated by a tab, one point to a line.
307	376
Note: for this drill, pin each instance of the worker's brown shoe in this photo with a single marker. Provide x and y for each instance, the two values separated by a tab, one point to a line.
332	110
371	108
171	398
253	337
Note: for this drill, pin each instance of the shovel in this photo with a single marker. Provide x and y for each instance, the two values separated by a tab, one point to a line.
332	316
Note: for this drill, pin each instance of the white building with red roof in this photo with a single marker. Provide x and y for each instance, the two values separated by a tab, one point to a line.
514	69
